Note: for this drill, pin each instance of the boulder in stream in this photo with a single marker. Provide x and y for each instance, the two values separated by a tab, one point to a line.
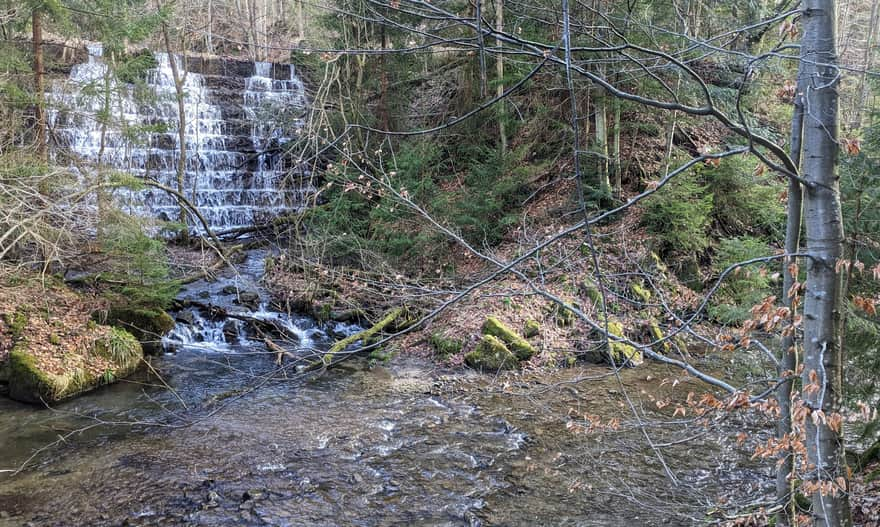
147	325
37	377
250	299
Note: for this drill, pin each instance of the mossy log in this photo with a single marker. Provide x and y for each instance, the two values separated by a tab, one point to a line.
514	342
335	354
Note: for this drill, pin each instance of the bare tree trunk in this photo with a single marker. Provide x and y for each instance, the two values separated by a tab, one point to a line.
823	331
39	86
788	355
209	44
179	80
478	14
300	20
601	138
383	81
864	88
499	71
615	149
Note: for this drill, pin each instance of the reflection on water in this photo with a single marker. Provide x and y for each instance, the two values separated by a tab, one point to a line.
355	446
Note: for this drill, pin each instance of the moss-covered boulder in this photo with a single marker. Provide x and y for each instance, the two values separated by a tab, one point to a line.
531	329
520	347
490	355
657	334
589	289
35	377
621	353
641	294
147	325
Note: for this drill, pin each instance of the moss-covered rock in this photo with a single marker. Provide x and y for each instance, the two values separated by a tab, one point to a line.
591	291
514	342
444	346
490	354
17	323
642	294
655	263
657	334
563	316
531	329
147	325
113	355
622	353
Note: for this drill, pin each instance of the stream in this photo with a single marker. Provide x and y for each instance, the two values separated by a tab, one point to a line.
215	434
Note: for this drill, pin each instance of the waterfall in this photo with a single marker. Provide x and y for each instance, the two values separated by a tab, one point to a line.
239	117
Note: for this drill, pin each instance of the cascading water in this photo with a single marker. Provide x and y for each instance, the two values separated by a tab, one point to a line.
239	117
236	125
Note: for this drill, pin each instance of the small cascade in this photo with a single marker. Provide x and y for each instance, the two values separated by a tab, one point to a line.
238	117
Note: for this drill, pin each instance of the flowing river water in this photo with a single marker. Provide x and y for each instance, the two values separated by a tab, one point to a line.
405	444
218	434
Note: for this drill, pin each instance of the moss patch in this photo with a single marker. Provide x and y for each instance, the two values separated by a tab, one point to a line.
531	329
147	325
640	293
444	347
591	291
490	354
622	353
514	342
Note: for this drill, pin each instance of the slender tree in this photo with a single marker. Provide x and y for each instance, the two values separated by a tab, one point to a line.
823	338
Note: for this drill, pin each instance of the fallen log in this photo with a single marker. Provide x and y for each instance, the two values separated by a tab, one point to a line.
259	324
335	354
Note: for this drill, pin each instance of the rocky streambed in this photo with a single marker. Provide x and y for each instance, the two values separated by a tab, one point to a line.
234	442
224	431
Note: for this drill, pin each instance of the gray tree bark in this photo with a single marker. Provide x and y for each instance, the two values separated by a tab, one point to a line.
823	332
788	355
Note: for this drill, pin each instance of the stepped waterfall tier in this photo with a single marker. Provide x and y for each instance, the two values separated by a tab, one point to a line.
239	118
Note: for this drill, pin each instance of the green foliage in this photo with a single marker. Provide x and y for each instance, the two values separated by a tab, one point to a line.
860	195
480	200
742	289
679	216
745	204
137	263
488	204
444	346
120	347
133	68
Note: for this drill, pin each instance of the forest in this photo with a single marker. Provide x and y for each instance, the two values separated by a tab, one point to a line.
439	262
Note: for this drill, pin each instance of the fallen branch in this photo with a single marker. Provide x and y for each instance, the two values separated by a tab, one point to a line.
217	266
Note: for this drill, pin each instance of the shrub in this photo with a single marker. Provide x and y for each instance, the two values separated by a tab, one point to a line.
137	264
745	203
679	216
744	289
